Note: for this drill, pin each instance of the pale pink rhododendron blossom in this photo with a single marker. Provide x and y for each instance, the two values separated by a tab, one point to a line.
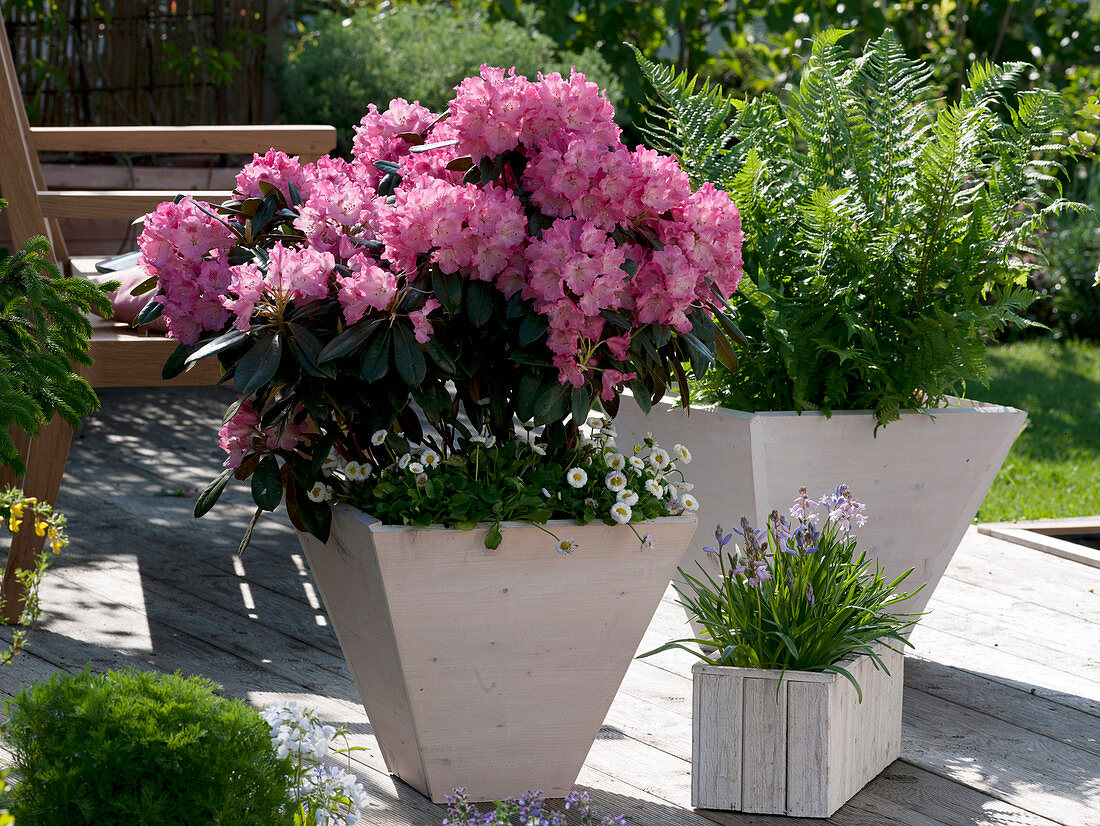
239	435
601	240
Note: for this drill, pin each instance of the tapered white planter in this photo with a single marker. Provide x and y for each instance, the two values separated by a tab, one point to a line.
803	750
922	478
491	670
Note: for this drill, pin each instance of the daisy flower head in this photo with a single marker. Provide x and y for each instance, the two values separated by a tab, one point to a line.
595	421
332	461
648	542
430	459
538	449
682	454
654	487
416	468
355	472
403	462
615	481
621	512
378	437
616	461
689	502
627	497
685	487
636	463
320	492
576	477
659	459
421	479
609	430
567	546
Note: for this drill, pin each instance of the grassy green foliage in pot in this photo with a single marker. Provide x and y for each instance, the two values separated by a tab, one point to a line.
343	63
141	748
883	232
44	331
795	596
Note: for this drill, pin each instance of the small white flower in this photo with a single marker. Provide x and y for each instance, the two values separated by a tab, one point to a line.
546	493
378	438
684	487
539	449
675	507
596	421
415	467
332	461
355	472
430	459
621	512
648	542
477	439
682	454
636	463
616	461
320	492
654	487
590	502
567	546
609	431
627	497
403	462
576	477
615	480
421	479
658	459
689	502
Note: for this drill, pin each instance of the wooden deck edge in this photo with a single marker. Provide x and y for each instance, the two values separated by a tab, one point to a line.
1047	543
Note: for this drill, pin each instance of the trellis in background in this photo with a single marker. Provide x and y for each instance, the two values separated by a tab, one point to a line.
125	62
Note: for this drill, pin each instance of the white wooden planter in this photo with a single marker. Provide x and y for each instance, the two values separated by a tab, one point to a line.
922	478
805	753
491	670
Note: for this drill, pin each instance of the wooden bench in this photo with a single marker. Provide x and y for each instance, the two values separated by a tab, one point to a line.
123	357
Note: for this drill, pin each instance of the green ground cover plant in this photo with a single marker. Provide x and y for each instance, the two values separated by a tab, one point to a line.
143	749
1054	467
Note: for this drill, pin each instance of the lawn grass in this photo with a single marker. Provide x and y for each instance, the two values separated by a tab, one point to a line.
1054	467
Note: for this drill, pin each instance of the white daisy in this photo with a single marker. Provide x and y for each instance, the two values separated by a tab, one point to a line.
636	463
415	467
682	454
609	431
615	480
616	461
320	492
684	487
648	542
658	459
332	461
429	458
403	462
421	479
378	438
621	512
595	421
576	477
654	487
539	449
627	497
689	502
351	470
567	546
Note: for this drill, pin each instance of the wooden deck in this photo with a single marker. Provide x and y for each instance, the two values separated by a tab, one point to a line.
1002	697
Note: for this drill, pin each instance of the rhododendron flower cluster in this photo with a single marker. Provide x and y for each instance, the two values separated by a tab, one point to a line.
509	257
591	191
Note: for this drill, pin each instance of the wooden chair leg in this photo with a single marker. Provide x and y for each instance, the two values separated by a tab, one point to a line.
46	459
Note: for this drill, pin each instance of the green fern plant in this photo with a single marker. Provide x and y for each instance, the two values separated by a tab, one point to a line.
44	331
884	230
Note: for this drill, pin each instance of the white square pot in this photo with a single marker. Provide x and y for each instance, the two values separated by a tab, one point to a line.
804	750
490	669
922	478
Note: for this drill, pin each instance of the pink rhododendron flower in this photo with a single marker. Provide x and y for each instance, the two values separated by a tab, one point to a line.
422	328
239	435
368	286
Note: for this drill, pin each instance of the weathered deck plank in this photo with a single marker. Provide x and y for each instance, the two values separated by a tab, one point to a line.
1002	720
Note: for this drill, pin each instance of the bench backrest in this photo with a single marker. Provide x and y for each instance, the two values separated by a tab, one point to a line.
34	210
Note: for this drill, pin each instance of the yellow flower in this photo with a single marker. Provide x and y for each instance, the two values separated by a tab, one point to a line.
40	528
56	546
16	512
13	526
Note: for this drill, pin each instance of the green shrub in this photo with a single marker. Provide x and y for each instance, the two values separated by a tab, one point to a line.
413	52
142	749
